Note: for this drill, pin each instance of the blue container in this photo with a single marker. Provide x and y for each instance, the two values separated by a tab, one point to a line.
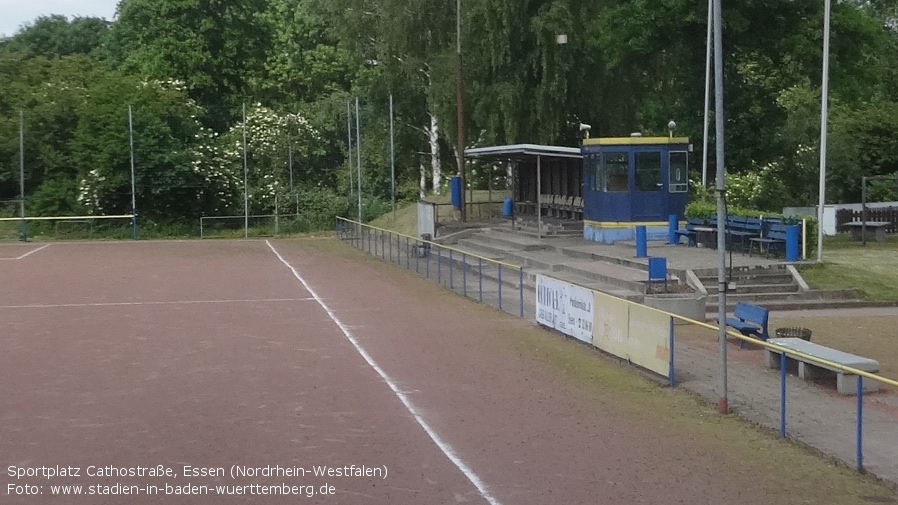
507	207
792	235
673	224
455	191
641	242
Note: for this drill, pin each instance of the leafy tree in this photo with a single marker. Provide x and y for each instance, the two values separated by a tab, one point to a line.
213	46
56	35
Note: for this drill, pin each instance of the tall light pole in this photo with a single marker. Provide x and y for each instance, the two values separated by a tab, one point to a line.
23	233
133	195
358	147
460	145
824	107
722	402
392	163
708	52
245	181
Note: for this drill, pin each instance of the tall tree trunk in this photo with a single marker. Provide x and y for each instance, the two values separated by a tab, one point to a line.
509	175
422	185
433	138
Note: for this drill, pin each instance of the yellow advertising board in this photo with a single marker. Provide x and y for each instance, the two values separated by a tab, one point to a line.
633	332
649	342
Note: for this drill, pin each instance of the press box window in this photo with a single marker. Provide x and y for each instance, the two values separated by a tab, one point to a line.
648	171
593	169
679	172
616	172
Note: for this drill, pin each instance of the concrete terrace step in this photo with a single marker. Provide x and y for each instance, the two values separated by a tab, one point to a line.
578	280
508	240
786	305
616	275
524	258
756	288
765	298
753	280
584	252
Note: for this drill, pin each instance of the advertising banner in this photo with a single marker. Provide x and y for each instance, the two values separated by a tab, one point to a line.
564	307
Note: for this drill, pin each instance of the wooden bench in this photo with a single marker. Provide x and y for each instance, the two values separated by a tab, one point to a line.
846	383
689	232
772	239
875	229
749	320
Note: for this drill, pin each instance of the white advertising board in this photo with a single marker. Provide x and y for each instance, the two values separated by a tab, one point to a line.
564	307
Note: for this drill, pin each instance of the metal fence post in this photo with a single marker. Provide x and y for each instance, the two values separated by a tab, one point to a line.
480	280
390	240
398	250
521	289
417	250
860	423
451	269
464	274
439	265
783	394
500	285
407	260
427	266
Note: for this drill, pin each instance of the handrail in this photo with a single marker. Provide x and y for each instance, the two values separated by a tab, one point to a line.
384	230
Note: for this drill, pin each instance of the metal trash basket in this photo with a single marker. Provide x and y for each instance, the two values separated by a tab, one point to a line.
795	332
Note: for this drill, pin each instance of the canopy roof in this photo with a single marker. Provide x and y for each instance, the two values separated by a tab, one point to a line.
519	152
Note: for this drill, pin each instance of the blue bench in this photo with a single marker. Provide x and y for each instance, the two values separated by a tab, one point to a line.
749	320
689	231
742	229
774	238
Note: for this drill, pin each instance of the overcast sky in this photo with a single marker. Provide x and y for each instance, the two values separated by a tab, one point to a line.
15	13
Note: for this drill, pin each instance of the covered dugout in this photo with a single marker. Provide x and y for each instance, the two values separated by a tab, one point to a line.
544	178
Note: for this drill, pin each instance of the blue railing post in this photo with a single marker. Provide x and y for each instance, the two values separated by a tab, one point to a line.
480	280
500	286
464	274
521	289
860	423
451	269
783	394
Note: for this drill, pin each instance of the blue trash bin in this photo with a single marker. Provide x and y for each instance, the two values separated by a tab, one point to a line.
507	207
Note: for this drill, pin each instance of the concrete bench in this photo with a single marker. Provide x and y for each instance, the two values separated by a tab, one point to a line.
875	229
846	383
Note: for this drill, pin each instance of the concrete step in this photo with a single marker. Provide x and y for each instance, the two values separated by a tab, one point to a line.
579	254
762	298
482	249
755	288
794	305
508	240
578	280
620	276
531	259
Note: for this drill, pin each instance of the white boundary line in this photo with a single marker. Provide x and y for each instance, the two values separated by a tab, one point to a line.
119	304
445	447
28	253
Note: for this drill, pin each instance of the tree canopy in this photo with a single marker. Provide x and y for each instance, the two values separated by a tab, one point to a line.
187	67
